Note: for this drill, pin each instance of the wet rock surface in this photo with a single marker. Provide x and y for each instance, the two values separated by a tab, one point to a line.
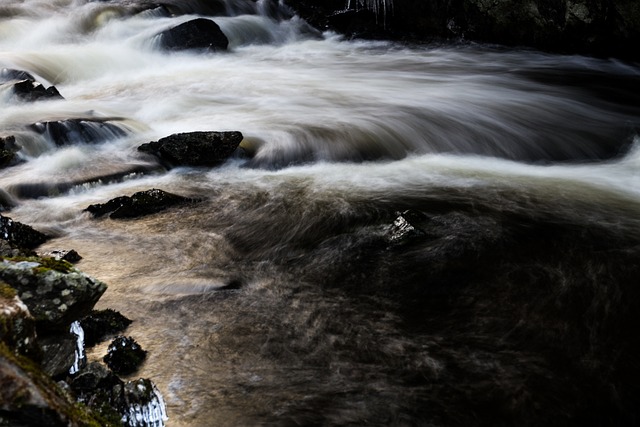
194	148
25	87
20	235
99	325
198	34
8	151
81	130
583	26
17	326
139	204
124	355
55	292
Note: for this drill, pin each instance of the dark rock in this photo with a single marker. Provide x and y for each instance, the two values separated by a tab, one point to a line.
139	204
29	90
59	354
55	293
194	148
9	250
10	74
20	235
101	390
8	151
70	256
28	397
102	324
124	355
25	86
595	27
17	326
92	377
74	131
197	34
144	404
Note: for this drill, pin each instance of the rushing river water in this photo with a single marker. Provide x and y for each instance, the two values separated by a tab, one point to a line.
280	299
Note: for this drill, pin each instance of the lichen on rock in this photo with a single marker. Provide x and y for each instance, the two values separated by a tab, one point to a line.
56	293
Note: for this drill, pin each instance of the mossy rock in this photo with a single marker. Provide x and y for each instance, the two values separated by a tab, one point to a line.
30	397
54	291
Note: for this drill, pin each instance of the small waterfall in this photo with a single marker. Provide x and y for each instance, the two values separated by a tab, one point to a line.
80	356
146	405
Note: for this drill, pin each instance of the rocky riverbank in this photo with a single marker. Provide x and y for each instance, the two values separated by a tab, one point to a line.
45	308
607	28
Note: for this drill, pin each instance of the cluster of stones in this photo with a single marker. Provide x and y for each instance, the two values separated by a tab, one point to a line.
46	320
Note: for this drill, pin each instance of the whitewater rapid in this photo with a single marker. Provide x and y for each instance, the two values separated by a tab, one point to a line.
340	132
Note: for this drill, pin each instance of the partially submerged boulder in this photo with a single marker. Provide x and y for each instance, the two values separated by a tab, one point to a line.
199	34
139	204
80	130
20	235
8	151
124	355
25	86
29	90
194	148
101	324
55	293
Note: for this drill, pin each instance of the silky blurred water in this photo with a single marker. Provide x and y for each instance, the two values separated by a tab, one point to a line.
341	132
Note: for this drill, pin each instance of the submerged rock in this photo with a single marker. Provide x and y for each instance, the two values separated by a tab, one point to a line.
20	235
194	148
84	130
102	324
55	293
124	355
139	204
198	34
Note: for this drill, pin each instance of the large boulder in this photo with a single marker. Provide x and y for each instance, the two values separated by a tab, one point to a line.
194	148
198	34
54	291
139	204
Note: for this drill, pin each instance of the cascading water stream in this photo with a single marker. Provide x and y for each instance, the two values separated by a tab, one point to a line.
286	295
